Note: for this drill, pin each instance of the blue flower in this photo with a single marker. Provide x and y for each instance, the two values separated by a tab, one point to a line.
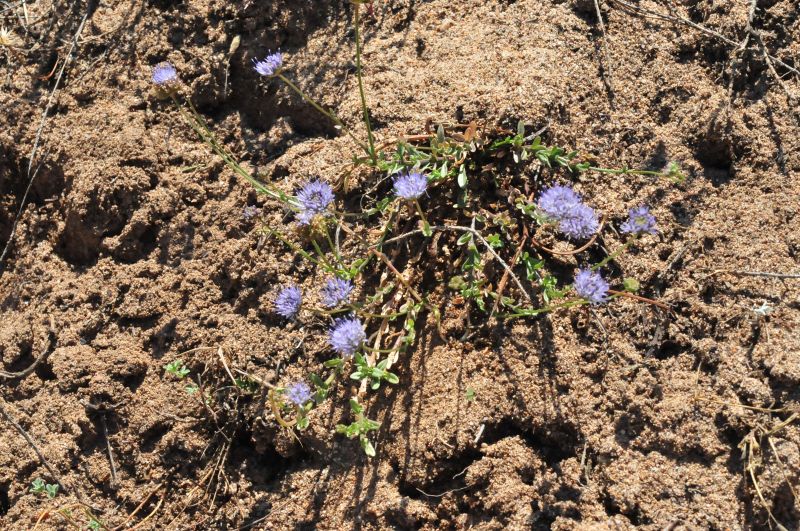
298	393
591	286
288	302
639	221
558	201
575	219
164	74
347	336
580	223
410	185
250	212
336	292
314	198
270	65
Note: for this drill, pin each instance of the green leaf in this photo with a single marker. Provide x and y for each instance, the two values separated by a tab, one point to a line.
367	447
37	486
462	176
334	363
302	423
494	240
355	407
426	229
391	378
470	394
467	236
51	490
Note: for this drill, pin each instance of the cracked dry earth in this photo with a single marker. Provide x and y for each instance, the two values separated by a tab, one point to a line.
131	252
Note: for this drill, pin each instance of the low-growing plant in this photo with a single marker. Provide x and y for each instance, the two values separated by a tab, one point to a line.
440	198
177	369
360	427
38	486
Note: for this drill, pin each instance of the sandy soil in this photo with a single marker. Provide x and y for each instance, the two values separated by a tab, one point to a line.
131	250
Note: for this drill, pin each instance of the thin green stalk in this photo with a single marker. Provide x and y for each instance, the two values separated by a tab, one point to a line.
321	255
293	247
378	245
615	254
327	113
333	247
544	309
426	227
357	23
196	122
381	315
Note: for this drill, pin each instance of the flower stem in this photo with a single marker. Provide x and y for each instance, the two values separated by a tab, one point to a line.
327	113
543	309
615	254
332	246
357	24
293	247
327	265
426	227
197	123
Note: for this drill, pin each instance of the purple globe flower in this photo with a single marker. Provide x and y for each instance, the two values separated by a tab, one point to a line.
575	219
288	302
270	65
336	292
250	212
347	336
164	74
298	393
580	223
410	185
591	286
639	221
558	201
314	198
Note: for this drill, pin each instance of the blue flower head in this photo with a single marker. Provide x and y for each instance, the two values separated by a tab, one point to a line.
410	185
298	393
270	65
288	302
580	223
314	198
250	212
164	74
575	219
336	292
591	286
347	336
558	201
639	221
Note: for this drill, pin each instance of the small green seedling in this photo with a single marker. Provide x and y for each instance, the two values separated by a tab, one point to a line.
470	394
40	487
359	428
374	374
177	369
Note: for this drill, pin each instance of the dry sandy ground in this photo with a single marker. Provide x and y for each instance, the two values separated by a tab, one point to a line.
131	250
